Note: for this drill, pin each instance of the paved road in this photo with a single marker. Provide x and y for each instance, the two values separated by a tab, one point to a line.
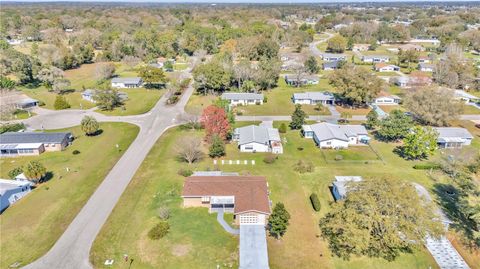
313	46
73	248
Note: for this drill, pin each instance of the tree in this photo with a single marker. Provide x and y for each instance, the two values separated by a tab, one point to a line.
268	73
215	121
131	61
278	221
372	119
337	44
408	56
211	77
298	118
419	143
190	149
217	148
357	86
311	65
6	83
299	72
104	71
107	99
89	125
433	105
379	218
152	76
60	85
34	171
395	126
49	75
61	102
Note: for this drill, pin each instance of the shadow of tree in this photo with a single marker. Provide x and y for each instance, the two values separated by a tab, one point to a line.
450	198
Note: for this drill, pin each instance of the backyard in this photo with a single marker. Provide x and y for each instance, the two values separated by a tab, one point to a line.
204	243
33	224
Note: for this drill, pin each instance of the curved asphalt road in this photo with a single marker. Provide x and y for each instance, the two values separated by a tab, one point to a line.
73	248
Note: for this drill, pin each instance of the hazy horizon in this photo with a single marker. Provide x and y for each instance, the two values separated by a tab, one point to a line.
239	1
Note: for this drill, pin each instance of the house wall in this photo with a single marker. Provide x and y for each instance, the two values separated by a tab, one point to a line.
335	193
55	147
245	102
123	85
302	101
385	101
13	195
254	147
332	143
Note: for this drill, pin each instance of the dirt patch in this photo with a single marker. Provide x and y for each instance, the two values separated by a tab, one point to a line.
181	250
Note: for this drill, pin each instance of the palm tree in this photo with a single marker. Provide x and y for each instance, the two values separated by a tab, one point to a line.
89	125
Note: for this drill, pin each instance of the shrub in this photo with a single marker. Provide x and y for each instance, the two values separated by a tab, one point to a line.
283	128
338	157
185	172
426	166
76	152
303	167
315	202
173	99
164	213
265	99
13	127
15	172
270	158
158	231
300	148
41	103
61	103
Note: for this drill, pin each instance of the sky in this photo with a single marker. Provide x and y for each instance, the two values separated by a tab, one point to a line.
238	1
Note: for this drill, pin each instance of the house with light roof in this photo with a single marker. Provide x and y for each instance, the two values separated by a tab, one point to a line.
329	135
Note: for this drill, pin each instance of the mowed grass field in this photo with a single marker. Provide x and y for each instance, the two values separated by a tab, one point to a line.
32	225
279	101
139	101
202	241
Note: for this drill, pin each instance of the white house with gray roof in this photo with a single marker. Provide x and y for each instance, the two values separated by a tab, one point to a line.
453	137
89	95
130	82
333	57
329	135
313	98
340	186
253	138
31	143
243	98
11	191
375	59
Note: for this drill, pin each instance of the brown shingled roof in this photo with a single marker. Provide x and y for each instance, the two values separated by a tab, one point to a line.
250	192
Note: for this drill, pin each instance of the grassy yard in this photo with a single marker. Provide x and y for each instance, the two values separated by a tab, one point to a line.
205	245
470	110
180	66
139	100
353	111
32	225
279	101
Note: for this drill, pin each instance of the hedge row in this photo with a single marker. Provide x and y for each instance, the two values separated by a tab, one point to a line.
427	166
315	202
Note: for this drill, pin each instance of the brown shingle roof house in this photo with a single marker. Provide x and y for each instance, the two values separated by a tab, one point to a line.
245	196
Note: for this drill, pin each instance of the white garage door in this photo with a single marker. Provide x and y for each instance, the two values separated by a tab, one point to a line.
252	219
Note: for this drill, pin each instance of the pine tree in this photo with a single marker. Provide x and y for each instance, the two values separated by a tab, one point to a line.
217	148
298	118
372	119
278	220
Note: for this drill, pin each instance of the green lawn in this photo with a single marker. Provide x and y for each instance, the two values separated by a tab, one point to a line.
139	101
32	225
470	110
157	183
352	154
279	101
180	66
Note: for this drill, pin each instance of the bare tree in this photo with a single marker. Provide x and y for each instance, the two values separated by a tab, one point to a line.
131	61
190	149
299	73
104	71
8	100
189	119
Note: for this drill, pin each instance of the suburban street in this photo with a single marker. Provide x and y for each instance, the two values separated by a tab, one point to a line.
73	248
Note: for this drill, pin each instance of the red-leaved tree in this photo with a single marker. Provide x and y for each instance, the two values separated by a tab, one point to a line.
215	122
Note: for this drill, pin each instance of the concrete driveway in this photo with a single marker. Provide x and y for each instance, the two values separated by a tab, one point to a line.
253	247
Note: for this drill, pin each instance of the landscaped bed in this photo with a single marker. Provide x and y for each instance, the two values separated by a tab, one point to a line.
33	224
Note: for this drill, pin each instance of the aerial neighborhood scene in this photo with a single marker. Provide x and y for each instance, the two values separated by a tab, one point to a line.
240	134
